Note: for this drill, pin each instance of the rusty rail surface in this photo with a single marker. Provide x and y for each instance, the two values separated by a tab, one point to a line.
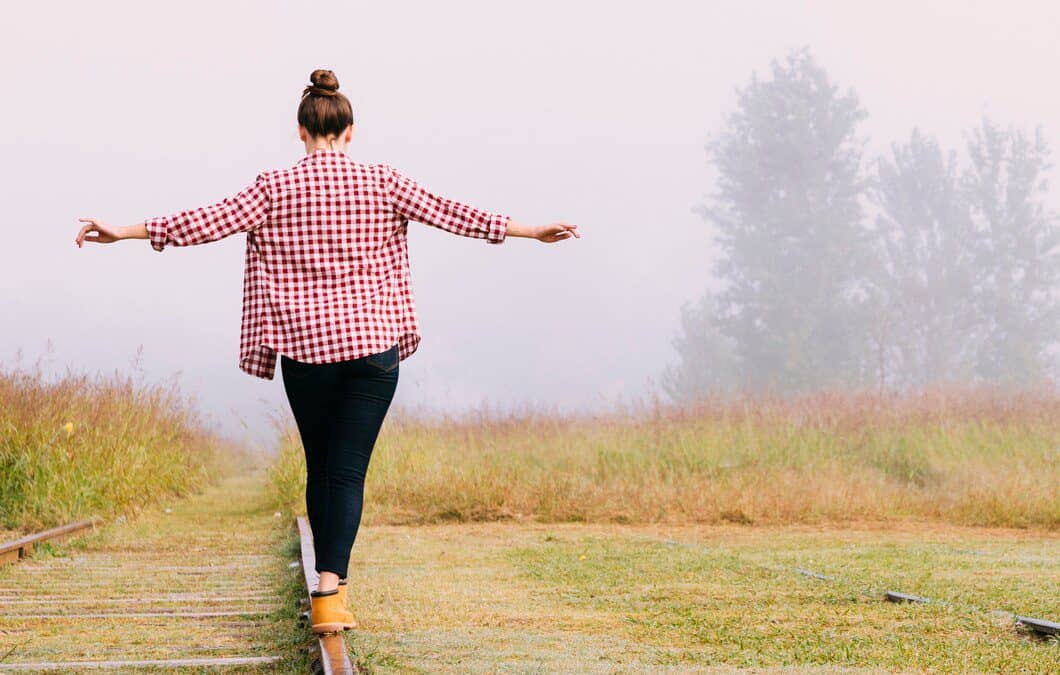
330	656
18	549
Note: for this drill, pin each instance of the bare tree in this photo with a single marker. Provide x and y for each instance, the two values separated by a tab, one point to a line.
1017	260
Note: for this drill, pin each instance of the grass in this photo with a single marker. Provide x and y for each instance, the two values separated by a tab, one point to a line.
985	457
533	597
666	539
86	446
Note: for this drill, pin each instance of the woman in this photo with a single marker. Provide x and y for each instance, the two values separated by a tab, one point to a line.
327	287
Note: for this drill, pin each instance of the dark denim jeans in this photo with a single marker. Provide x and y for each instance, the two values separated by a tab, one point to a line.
339	408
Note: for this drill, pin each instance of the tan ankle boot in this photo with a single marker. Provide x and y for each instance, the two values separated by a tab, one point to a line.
344	603
325	612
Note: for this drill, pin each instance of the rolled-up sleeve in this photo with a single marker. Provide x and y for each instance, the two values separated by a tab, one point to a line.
413	202
243	212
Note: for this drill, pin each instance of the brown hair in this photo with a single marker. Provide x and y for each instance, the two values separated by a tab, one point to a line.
323	110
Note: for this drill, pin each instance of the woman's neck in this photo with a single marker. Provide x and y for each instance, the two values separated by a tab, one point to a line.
314	144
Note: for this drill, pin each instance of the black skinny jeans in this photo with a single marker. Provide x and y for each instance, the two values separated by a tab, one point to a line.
339	408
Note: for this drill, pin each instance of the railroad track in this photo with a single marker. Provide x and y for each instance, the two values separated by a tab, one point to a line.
330	655
188	590
16	550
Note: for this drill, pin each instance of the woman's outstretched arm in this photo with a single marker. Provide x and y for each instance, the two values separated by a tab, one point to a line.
414	202
101	233
243	212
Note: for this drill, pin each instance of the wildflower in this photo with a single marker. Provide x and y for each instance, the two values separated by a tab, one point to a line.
582	557
69	428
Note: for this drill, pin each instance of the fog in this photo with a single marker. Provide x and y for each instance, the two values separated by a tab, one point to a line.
595	113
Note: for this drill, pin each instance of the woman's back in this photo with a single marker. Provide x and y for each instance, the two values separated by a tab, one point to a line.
329	217
327	272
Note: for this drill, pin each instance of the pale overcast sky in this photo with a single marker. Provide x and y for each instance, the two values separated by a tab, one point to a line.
588	112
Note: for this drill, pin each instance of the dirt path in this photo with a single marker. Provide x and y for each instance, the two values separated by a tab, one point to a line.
194	582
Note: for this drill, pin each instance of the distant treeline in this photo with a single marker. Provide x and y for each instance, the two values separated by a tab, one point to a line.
923	265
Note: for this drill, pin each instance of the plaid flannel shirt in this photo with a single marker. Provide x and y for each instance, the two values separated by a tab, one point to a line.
326	274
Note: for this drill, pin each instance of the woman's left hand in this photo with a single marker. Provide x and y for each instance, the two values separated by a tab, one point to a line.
556	232
104	234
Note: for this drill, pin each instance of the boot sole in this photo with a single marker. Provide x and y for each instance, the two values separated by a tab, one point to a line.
319	628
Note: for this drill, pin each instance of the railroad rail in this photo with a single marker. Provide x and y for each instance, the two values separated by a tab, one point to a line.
330	656
16	550
1039	627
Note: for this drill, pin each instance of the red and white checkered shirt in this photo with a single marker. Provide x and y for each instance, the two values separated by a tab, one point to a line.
327	271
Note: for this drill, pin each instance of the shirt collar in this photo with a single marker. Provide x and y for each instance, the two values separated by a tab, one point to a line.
322	154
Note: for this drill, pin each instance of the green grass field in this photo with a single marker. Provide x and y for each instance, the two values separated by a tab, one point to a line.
503	597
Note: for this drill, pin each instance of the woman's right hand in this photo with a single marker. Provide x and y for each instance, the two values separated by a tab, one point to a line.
97	231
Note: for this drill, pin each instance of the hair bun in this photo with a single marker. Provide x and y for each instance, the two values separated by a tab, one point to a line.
324	110
324	81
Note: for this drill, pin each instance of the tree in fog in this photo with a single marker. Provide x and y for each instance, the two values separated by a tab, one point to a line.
789	222
706	365
1017	260
925	329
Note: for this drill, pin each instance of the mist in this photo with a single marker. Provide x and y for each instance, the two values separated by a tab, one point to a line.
599	114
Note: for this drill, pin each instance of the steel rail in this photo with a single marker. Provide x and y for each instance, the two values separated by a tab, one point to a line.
330	656
1040	627
176	614
145	663
18	549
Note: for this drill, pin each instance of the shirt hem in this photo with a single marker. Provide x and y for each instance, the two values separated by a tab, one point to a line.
264	365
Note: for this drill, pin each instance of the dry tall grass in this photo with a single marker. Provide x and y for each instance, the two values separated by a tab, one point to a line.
966	456
82	446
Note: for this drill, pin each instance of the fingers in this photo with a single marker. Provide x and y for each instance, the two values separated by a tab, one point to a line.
561	231
553	238
82	235
568	230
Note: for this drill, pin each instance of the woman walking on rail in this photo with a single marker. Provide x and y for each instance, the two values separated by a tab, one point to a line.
326	286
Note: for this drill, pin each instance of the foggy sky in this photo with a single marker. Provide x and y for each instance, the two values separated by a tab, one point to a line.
594	113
